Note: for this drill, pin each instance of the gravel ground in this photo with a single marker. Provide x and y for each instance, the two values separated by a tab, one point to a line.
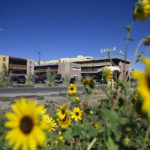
51	101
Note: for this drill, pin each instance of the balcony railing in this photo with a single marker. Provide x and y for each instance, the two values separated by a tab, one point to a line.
95	64
15	66
45	70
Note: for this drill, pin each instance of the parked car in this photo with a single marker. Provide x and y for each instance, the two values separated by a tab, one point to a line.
14	78
21	79
72	80
58	80
40	79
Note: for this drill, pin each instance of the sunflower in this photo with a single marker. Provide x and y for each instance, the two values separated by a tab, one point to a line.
65	122
107	74
43	110
51	124
141	10
62	111
72	89
143	86
76	114
89	81
26	125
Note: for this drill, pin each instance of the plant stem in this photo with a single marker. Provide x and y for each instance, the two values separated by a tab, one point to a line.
117	99
133	61
146	137
91	144
126	47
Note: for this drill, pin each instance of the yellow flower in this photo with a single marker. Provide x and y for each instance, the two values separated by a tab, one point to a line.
146	107
76	114
59	133
43	110
56	143
65	122
107	74
77	99
143	86
96	125
72	89
26	126
50	123
62	111
60	138
141	10
89	81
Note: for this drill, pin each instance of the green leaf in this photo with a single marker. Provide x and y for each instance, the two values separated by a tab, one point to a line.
111	145
93	117
68	133
129	39
126	27
76	131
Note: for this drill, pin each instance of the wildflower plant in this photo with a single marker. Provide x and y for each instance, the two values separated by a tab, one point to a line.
89	84
120	120
25	123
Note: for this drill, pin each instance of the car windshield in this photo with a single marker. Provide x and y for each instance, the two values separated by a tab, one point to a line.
23	77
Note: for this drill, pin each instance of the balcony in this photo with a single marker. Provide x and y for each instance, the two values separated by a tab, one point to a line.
45	70
19	67
95	64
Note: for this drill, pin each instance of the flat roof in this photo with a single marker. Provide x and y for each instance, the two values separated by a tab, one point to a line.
51	64
17	58
112	57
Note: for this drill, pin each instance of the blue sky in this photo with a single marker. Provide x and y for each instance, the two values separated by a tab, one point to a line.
67	28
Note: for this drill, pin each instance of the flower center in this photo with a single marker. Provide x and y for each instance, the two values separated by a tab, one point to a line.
64	119
63	111
77	113
72	89
26	125
148	81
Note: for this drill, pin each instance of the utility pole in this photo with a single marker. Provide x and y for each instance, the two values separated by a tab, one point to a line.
39	53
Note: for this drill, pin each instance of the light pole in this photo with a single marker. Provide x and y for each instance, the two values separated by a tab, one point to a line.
39	53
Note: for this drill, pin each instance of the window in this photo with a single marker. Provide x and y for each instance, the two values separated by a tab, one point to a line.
76	68
4	58
4	65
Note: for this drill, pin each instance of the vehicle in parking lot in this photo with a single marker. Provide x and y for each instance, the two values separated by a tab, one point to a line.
40	79
72	80
21	79
58	80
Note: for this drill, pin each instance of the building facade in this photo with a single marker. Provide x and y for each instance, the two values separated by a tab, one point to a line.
15	65
69	69
4	62
85	66
30	67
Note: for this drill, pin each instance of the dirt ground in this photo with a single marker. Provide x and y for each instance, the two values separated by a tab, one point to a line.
51	101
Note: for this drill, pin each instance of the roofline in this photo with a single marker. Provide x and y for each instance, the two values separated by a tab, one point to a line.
51	64
17	58
112	57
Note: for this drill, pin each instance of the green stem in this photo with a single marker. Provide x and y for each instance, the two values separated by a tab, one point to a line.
126	48
135	54
146	137
117	99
